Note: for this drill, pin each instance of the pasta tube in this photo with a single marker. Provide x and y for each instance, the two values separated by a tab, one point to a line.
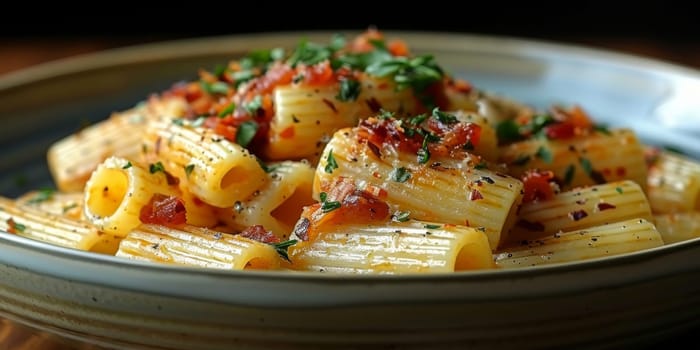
276	206
195	246
594	242
581	161
677	227
674	184
450	191
30	222
307	116
118	190
393	248
214	169
580	208
72	159
68	204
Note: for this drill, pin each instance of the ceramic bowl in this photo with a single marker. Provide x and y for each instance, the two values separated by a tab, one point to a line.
630	300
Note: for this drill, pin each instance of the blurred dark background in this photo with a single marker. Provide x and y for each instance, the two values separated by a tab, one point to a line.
656	29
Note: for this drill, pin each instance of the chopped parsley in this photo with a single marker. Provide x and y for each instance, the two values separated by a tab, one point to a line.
481	165
282	248
400	174
156	167
42	195
431	226
443	117
127	165
401	216
602	129
545	154
228	110
246	132
586	166
618	189
569	174
188	169
349	90
215	88
253	105
521	160
328	206
330	163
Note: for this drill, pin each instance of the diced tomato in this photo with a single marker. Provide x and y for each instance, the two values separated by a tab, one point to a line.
560	131
537	185
318	74
398	48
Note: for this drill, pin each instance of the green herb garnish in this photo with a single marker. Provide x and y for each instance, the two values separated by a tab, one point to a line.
188	169
282	248
330	163
156	167
400	174
349	90
246	132
401	216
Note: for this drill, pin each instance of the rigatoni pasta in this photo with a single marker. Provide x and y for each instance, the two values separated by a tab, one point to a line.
355	157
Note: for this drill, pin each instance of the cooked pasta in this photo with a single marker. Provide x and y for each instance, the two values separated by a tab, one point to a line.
593	242
355	157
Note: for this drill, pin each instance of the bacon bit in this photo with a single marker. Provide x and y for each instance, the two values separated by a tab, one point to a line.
604	206
318	74
538	185
577	215
531	226
363	42
574	122
301	228
357	206
164	210
560	131
260	234
475	195
398	48
459	85
12	226
288	132
330	105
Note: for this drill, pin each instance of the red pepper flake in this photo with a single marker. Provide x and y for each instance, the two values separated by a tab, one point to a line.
530	226
604	206
475	195
164	210
577	215
260	234
621	171
330	105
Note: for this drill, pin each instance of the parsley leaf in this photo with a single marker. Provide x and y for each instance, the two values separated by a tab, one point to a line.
331	164
188	169
228	110
246	132
545	154
349	90
253	105
444	117
400	174
42	195
156	167
218	87
401	216
282	248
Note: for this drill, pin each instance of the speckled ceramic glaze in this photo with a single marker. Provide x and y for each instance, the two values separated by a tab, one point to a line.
604	303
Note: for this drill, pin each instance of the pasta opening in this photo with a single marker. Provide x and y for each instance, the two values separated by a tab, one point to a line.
109	186
288	212
233	176
470	257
